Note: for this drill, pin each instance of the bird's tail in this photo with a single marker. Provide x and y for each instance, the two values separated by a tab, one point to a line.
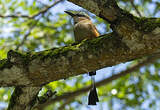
93	96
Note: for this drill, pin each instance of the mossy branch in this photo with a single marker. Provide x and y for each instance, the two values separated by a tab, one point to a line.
39	68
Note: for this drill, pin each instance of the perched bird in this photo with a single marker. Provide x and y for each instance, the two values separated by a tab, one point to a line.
85	29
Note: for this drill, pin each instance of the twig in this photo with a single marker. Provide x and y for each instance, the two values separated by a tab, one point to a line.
46	9
26	35
68	95
15	16
33	26
35	15
137	11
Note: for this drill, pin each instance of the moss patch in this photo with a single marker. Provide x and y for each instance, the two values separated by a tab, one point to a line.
55	52
147	24
5	64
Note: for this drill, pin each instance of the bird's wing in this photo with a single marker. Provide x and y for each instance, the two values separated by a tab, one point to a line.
94	30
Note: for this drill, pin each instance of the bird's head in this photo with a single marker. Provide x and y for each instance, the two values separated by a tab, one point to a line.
78	16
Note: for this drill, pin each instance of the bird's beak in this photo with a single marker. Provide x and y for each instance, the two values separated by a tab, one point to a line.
71	14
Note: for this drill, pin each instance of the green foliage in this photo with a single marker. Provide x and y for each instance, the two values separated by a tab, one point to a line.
54	29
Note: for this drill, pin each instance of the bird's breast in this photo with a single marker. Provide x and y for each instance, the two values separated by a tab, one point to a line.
83	30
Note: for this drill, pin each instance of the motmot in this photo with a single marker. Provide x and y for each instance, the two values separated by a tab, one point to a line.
85	29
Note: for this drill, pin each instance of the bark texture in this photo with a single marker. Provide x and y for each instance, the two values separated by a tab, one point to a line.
131	38
36	69
23	98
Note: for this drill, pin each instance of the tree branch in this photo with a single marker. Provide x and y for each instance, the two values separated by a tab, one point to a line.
35	15
46	8
134	6
106	9
23	98
135	67
25	36
33	25
36	69
131	38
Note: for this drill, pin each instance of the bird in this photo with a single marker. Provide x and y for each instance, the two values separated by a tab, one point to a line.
85	29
